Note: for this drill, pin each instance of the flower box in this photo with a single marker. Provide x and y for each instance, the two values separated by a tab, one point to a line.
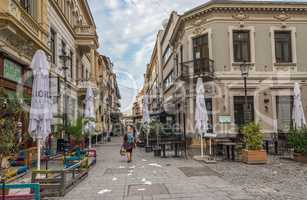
300	157
254	156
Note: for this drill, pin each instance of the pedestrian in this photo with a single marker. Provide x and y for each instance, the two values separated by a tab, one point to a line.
129	142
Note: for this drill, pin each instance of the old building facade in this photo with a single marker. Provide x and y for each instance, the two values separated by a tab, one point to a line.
23	30
73	42
212	41
66	31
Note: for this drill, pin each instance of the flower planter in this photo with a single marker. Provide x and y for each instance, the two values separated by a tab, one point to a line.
254	156
300	157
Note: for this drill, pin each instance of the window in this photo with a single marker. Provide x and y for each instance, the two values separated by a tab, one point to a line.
201	47
284	106
53	45
86	75
181	54
168	81
71	65
28	6
283	46
176	64
239	102
82	72
167	54
63	50
241	46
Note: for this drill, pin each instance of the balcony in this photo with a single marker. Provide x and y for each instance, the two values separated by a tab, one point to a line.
83	85
85	30
22	30
203	68
86	37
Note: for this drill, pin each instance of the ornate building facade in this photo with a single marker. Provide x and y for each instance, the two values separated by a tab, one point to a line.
66	31
73	42
212	41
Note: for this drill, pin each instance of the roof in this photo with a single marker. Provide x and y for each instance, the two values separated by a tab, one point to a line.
212	2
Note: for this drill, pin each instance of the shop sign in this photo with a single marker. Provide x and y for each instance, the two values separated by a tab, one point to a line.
12	71
224	119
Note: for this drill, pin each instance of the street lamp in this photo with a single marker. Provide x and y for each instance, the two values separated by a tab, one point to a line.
64	57
244	67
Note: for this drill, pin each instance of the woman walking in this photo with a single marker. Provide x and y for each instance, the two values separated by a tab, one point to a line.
129	142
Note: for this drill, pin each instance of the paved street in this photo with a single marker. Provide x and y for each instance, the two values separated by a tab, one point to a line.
148	177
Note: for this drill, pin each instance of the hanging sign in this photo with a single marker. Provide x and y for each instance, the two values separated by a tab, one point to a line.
12	71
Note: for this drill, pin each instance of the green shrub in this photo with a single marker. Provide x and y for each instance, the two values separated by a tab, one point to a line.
253	136
75	130
297	139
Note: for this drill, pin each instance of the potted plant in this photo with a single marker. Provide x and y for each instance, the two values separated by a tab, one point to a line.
297	139
75	130
10	112
253	138
155	131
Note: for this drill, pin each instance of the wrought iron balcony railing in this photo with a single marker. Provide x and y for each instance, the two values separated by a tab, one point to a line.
203	67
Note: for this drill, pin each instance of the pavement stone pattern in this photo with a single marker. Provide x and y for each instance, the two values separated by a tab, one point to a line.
152	178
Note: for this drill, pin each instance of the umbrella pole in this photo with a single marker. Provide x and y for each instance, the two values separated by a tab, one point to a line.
38	154
210	147
202	145
147	135
90	141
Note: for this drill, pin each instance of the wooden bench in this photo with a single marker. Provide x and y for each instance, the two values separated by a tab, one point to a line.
34	194
56	183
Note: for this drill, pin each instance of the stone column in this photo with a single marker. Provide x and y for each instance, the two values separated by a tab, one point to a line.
93	70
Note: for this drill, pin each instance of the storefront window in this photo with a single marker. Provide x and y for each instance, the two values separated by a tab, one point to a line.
239	102
284	106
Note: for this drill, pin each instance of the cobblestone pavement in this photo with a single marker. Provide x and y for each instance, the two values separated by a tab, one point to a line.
148	177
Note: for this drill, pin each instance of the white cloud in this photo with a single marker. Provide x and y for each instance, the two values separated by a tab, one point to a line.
127	29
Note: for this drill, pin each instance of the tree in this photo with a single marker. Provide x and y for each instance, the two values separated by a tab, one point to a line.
10	113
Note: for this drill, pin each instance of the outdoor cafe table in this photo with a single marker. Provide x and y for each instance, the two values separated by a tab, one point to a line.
174	143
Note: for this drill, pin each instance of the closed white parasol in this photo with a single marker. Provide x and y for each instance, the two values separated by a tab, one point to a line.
298	116
40	112
89	113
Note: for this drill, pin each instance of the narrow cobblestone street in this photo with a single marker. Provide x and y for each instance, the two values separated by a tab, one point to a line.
148	177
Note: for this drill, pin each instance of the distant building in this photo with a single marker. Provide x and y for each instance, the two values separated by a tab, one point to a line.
137	109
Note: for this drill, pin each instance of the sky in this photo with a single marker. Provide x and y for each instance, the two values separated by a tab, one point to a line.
127	31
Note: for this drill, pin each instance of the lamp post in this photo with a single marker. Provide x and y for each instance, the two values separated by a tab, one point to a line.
244	67
64	57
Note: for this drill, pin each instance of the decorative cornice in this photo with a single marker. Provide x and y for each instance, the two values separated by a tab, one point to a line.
242	11
241	16
282	16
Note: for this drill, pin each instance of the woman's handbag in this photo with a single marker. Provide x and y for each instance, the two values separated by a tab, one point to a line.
122	151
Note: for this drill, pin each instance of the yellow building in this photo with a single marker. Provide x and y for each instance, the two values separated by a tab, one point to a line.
23	30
